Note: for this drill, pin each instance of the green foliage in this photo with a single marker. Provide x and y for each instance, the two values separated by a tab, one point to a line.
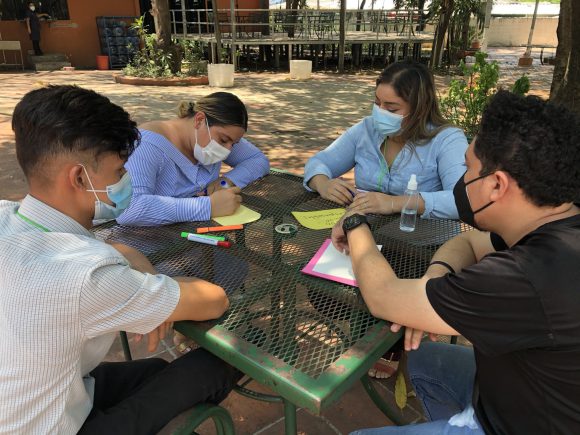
521	86
193	63
468	96
151	61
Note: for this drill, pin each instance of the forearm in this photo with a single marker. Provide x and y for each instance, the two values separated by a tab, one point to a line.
373	273
460	252
249	170
136	259
199	300
150	210
317	181
398	203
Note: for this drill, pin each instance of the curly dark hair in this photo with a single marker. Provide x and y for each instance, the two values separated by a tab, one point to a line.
536	142
56	120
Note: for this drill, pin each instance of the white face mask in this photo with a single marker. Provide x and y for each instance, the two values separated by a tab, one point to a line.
120	193
212	153
32	8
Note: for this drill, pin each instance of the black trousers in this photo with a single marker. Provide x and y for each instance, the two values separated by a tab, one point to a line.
36	46
142	396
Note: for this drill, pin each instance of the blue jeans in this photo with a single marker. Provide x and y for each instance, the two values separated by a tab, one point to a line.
442	375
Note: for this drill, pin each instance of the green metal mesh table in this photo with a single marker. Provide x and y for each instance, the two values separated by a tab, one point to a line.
306	338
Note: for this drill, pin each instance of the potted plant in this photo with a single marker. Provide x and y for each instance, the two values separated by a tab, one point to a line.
150	65
468	95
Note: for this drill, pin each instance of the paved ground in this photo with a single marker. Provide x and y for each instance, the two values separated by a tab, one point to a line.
290	121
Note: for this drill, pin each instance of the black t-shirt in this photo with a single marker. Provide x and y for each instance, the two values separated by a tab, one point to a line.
520	307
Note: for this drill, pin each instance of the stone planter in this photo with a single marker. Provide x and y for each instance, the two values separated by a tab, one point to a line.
162	81
300	69
221	75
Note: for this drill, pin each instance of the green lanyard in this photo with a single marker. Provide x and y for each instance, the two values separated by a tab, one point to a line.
31	222
383	172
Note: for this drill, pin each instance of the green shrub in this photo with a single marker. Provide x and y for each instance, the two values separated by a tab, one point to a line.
468	96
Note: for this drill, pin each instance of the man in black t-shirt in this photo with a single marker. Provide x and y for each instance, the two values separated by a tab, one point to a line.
514	291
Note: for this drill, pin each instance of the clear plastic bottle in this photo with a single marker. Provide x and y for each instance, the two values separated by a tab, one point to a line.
409	212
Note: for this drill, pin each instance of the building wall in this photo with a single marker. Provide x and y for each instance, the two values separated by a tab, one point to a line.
77	37
514	31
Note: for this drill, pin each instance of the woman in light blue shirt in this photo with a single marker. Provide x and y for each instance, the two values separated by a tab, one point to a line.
406	134
175	171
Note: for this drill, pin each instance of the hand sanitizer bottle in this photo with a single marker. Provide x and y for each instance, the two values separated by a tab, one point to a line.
409	212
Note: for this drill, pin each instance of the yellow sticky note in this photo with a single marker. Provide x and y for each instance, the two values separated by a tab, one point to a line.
244	215
320	219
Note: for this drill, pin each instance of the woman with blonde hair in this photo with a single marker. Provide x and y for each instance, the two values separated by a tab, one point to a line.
406	134
175	171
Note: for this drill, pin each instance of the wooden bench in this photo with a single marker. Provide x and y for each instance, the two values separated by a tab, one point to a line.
11	46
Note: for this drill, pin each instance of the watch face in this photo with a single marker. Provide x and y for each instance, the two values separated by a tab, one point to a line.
352	222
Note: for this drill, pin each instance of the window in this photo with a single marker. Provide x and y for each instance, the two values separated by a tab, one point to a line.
16	9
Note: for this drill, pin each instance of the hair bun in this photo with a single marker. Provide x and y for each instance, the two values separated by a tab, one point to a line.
186	109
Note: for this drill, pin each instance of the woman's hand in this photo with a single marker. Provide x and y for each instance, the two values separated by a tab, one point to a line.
373	202
216	185
225	202
336	190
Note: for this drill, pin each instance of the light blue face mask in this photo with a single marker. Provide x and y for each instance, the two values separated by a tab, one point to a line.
120	193
385	122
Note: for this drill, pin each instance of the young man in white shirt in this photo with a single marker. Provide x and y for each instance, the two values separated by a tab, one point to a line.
64	294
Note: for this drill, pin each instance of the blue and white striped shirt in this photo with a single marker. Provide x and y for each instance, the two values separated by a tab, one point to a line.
165	181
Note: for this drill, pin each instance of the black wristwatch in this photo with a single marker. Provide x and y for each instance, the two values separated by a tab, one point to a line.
353	221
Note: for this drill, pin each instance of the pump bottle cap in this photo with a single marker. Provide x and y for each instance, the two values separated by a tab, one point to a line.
412	185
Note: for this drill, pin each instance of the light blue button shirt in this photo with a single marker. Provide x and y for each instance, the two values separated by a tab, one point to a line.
165	182
438	165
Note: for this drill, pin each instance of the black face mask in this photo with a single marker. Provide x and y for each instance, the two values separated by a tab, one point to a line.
462	201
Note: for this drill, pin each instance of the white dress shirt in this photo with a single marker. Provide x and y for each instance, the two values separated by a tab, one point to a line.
63	296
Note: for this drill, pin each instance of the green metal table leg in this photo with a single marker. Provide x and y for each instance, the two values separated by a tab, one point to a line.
290	418
381	404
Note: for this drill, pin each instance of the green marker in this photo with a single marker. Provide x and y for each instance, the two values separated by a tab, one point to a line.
203	236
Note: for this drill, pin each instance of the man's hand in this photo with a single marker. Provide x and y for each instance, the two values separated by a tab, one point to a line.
373	202
155	336
338	237
413	337
225	202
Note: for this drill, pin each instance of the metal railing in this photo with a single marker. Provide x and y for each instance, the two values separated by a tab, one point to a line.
306	24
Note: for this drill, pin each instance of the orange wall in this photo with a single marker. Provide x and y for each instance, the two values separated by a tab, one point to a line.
78	37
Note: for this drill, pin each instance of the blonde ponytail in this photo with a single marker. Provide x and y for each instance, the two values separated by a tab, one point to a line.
186	109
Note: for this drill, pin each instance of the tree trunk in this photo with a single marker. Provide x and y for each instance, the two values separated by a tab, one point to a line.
357	48
566	79
217	31
160	9
341	36
442	28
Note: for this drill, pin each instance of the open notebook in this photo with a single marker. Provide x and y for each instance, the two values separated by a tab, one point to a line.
331	264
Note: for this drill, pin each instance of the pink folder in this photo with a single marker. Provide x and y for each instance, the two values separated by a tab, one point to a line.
330	264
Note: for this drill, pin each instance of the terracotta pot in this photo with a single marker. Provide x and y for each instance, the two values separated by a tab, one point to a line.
475	44
525	61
